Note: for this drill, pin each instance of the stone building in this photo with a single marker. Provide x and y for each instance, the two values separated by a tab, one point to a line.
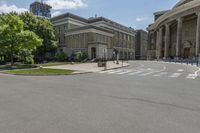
141	45
176	33
98	36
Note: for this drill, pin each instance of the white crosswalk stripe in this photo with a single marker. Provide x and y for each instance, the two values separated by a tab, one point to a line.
192	76
124	72
175	75
160	74
137	72
106	71
115	71
148	72
180	70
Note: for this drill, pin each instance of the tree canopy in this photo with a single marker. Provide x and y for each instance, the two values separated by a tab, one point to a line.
14	37
44	29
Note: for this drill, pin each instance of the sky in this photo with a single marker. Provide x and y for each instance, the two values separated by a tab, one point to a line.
131	13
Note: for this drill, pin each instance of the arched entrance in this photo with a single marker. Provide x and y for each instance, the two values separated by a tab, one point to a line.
93	52
186	53
187	49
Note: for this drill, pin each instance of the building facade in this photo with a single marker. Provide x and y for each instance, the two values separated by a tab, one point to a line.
98	36
40	9
141	45
175	33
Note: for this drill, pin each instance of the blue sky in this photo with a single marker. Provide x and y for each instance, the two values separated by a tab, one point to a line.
132	13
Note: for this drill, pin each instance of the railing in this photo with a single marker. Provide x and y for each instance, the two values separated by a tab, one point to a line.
193	62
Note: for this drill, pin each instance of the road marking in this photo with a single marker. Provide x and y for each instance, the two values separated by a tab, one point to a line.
192	76
175	75
115	71
180	70
106	71
145	74
196	73
160	74
127	71
153	71
134	73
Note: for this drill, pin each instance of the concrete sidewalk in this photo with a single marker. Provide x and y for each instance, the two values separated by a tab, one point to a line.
89	67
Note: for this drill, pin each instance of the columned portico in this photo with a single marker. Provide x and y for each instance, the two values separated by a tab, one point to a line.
179	30
167	40
179	37
197	51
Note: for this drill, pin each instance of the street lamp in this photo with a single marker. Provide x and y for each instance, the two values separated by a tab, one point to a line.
117	55
105	52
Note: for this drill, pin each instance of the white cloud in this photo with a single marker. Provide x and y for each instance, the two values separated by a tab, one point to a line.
66	4
12	8
139	19
56	13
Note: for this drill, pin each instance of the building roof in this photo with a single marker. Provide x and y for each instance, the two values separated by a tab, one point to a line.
97	19
161	12
90	27
70	15
182	2
93	20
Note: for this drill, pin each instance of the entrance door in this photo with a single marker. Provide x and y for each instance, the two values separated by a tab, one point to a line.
186	52
93	53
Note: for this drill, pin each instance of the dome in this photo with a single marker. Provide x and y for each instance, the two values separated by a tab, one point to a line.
182	2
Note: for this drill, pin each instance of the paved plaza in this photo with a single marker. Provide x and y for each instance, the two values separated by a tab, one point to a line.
91	67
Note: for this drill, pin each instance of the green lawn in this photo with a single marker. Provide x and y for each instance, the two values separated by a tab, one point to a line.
53	64
40	71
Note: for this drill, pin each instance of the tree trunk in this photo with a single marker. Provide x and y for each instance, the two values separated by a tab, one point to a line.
11	56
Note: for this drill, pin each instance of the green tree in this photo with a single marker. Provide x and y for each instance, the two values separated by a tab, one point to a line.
13	37
44	29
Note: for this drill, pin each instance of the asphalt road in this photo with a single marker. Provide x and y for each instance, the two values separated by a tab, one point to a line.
147	97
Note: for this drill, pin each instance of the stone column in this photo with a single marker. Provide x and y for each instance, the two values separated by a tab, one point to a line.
197	35
160	41
157	44
179	37
167	40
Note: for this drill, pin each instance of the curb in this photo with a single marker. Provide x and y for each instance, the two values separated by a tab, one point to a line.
78	73
4	73
184	64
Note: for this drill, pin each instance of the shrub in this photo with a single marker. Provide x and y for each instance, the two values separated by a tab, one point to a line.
80	56
61	56
29	60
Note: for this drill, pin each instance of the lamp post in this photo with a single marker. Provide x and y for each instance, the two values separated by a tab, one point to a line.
105	51
117	56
